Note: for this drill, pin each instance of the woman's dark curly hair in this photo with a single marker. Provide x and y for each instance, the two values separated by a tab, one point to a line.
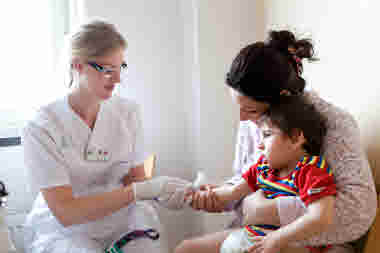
262	70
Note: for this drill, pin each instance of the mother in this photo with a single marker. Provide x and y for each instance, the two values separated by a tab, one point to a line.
258	75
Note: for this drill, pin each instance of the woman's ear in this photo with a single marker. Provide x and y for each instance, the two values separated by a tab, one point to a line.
76	65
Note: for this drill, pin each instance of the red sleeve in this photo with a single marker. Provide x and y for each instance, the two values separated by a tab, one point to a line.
314	183
250	175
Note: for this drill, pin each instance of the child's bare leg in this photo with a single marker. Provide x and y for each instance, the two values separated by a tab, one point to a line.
205	244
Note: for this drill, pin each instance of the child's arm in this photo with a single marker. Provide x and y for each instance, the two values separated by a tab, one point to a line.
318	218
227	193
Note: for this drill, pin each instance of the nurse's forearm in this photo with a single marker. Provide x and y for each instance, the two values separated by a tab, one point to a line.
70	210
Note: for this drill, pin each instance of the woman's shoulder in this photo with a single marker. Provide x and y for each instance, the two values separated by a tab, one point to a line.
47	114
46	120
336	116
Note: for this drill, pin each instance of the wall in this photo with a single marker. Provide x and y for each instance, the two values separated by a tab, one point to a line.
347	41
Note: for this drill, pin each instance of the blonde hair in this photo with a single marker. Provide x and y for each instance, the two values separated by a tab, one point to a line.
92	39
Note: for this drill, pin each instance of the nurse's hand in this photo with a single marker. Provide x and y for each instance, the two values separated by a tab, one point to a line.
161	188
176	200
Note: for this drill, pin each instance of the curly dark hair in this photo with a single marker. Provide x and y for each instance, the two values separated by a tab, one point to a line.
263	69
295	113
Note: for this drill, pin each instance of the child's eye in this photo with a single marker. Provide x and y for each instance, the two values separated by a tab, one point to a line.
266	134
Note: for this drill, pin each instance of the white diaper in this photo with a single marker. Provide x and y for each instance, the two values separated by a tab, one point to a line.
236	242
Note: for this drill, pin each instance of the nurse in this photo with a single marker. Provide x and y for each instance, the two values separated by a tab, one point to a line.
84	154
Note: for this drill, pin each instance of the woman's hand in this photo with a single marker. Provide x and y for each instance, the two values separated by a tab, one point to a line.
205	199
257	209
270	243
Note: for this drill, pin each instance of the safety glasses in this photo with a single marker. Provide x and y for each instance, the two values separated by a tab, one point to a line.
109	72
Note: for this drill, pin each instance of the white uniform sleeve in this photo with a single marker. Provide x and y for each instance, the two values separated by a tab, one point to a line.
139	138
45	163
245	149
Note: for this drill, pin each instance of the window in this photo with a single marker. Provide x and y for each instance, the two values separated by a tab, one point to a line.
33	35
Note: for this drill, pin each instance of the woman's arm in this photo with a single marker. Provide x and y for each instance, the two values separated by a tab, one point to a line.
70	210
318	218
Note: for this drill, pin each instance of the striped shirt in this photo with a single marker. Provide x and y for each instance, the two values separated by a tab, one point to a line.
312	179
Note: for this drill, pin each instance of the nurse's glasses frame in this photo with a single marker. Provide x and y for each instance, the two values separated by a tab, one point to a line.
108	72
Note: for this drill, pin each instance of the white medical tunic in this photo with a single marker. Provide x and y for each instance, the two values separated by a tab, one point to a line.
60	149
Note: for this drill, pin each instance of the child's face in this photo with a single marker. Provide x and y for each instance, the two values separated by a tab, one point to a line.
279	149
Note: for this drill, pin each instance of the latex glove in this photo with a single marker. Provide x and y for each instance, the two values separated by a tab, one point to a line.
160	188
176	200
196	186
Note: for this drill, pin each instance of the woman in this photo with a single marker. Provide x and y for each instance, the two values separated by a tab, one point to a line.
259	74
84	153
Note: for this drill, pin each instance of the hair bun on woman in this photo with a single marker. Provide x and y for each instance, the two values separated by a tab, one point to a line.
287	43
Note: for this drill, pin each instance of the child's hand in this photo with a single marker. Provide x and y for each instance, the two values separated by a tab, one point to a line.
205	199
265	244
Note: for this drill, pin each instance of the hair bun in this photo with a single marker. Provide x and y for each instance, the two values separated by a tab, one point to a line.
284	40
281	40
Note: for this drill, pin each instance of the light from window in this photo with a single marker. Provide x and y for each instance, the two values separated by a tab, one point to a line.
32	34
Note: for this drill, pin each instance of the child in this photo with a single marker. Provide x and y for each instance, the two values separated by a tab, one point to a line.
290	166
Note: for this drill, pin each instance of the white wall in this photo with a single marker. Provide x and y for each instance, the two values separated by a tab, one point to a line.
347	40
